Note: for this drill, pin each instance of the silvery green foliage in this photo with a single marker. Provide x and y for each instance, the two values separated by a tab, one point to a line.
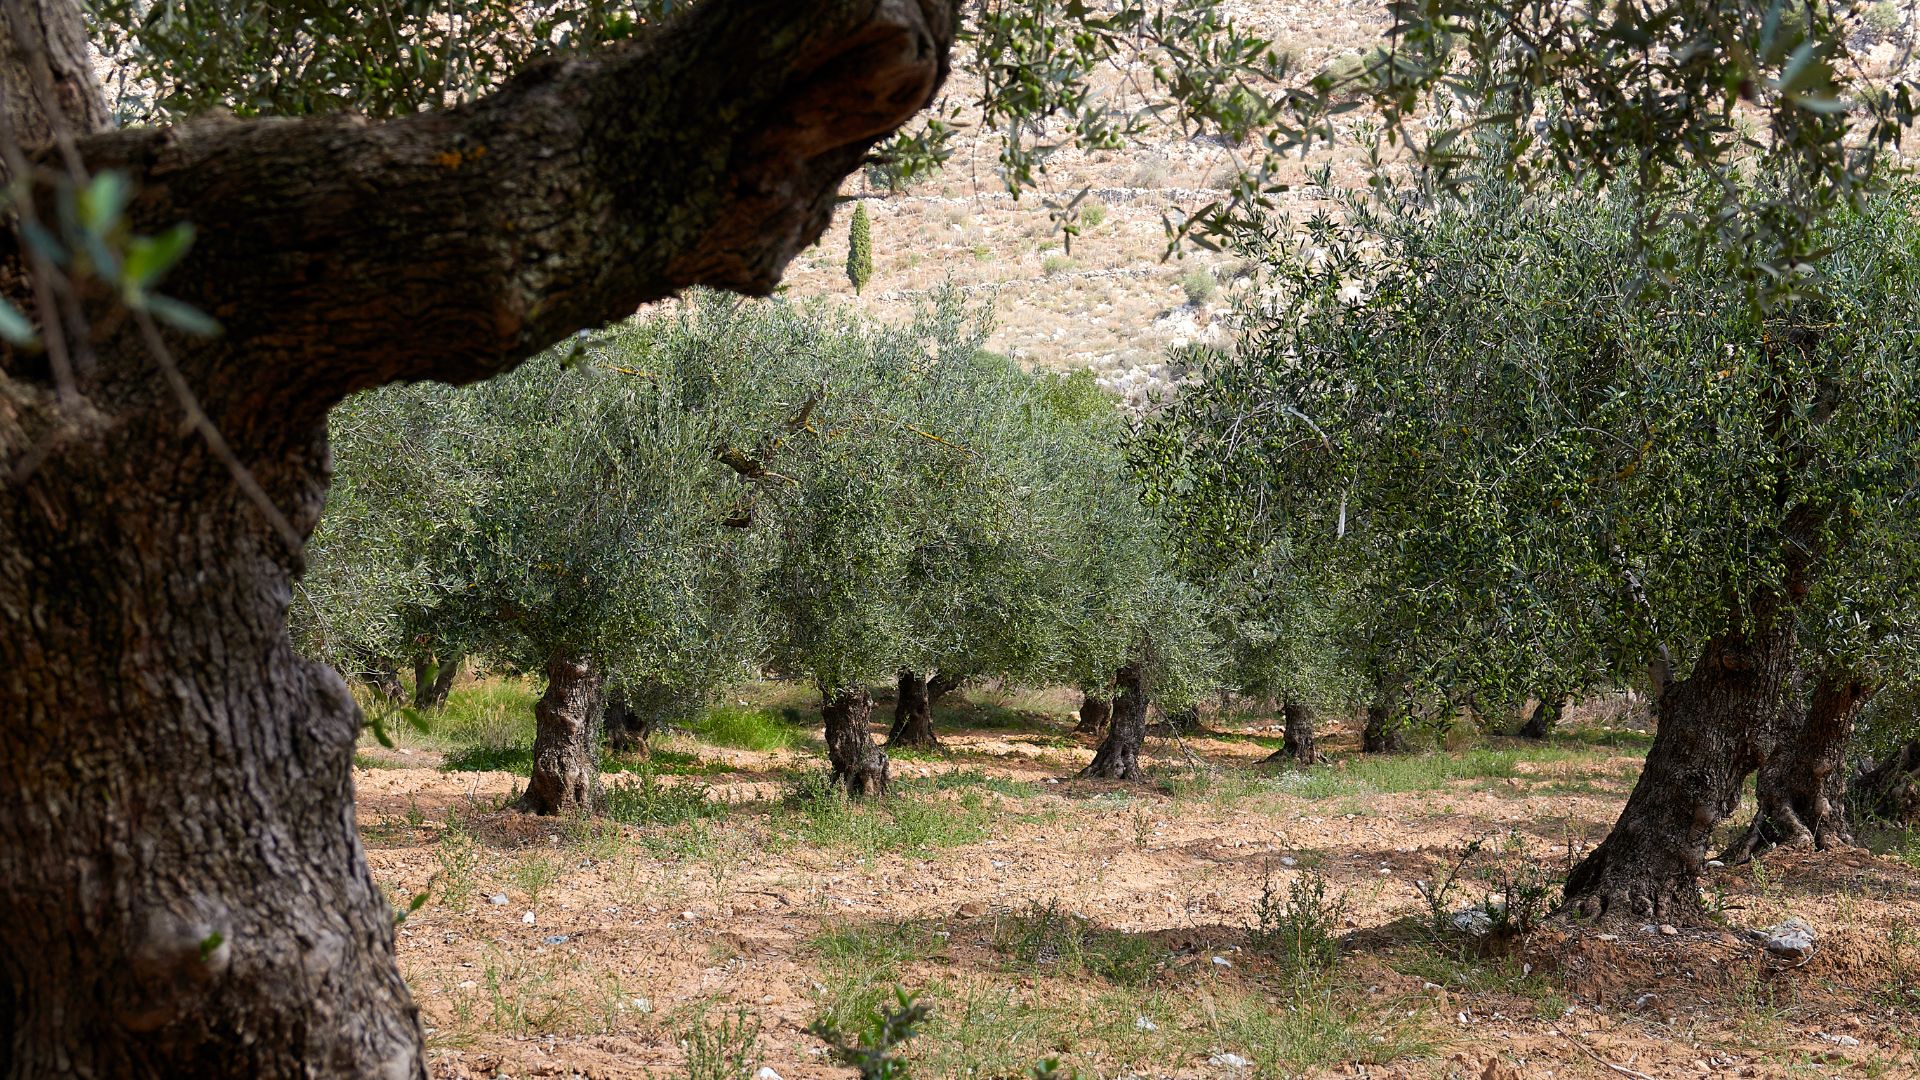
1546	462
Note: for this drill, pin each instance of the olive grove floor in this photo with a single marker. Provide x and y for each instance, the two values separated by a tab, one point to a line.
728	904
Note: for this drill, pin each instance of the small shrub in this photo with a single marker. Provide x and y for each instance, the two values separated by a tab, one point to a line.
873	1050
1883	20
533	876
1198	283
458	856
1150	172
641	799
727	1050
1045	937
1055	264
1093	215
1301	928
859	250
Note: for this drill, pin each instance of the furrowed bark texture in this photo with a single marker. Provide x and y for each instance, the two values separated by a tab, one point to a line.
1095	712
1297	746
913	714
1711	731
565	735
1890	790
182	892
1801	787
1119	755
943	683
858	763
1383	734
626	729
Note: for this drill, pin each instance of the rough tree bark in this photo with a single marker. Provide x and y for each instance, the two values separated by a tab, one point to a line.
566	775
1118	757
1544	717
1711	727
1297	746
182	892
858	763
1383	733
1890	790
1801	786
1095	712
432	682
913	713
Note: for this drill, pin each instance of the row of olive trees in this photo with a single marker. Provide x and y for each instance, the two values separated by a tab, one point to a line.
728	488
1541	462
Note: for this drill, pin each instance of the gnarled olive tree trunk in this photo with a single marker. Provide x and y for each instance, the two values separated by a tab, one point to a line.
1711	729
566	774
858	763
1801	786
943	683
913	713
182	891
1297	746
1118	757
1890	789
626	729
1384	732
433	681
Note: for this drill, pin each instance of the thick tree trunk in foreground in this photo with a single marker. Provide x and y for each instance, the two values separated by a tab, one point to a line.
913	714
1711	728
1890	790
1544	717
1095	712
858	764
1119	755
1384	733
432	681
1297	747
182	891
1801	788
566	775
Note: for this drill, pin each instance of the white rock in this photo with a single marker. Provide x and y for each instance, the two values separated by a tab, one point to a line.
1791	940
1472	920
765	1073
497	899
1231	1061
527	918
1221	961
1286	860
1144	1024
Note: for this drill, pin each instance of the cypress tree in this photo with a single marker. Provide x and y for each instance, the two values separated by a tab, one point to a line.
859	250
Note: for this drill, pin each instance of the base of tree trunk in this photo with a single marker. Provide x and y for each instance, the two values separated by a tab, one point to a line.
1297	748
858	764
1711	725
1801	787
1119	755
1544	717
565	775
1095	712
1383	734
913	714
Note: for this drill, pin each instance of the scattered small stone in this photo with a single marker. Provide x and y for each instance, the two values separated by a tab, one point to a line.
1649	929
641	1004
1645	1000
498	899
765	1073
527	918
1143	1024
689	916
1231	1061
1286	860
1715	864
555	939
1668	929
1474	921
1221	961
1840	1040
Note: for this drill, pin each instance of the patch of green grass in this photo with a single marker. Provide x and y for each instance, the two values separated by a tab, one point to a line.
1311	1030
962	779
1612	738
745	728
491	712
639	798
860	966
368	761
913	819
1045	938
517	760
1397	773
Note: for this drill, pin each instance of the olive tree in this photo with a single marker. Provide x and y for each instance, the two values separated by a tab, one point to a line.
1551	445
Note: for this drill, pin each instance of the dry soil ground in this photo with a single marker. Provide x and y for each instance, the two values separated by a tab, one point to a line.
1115	927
